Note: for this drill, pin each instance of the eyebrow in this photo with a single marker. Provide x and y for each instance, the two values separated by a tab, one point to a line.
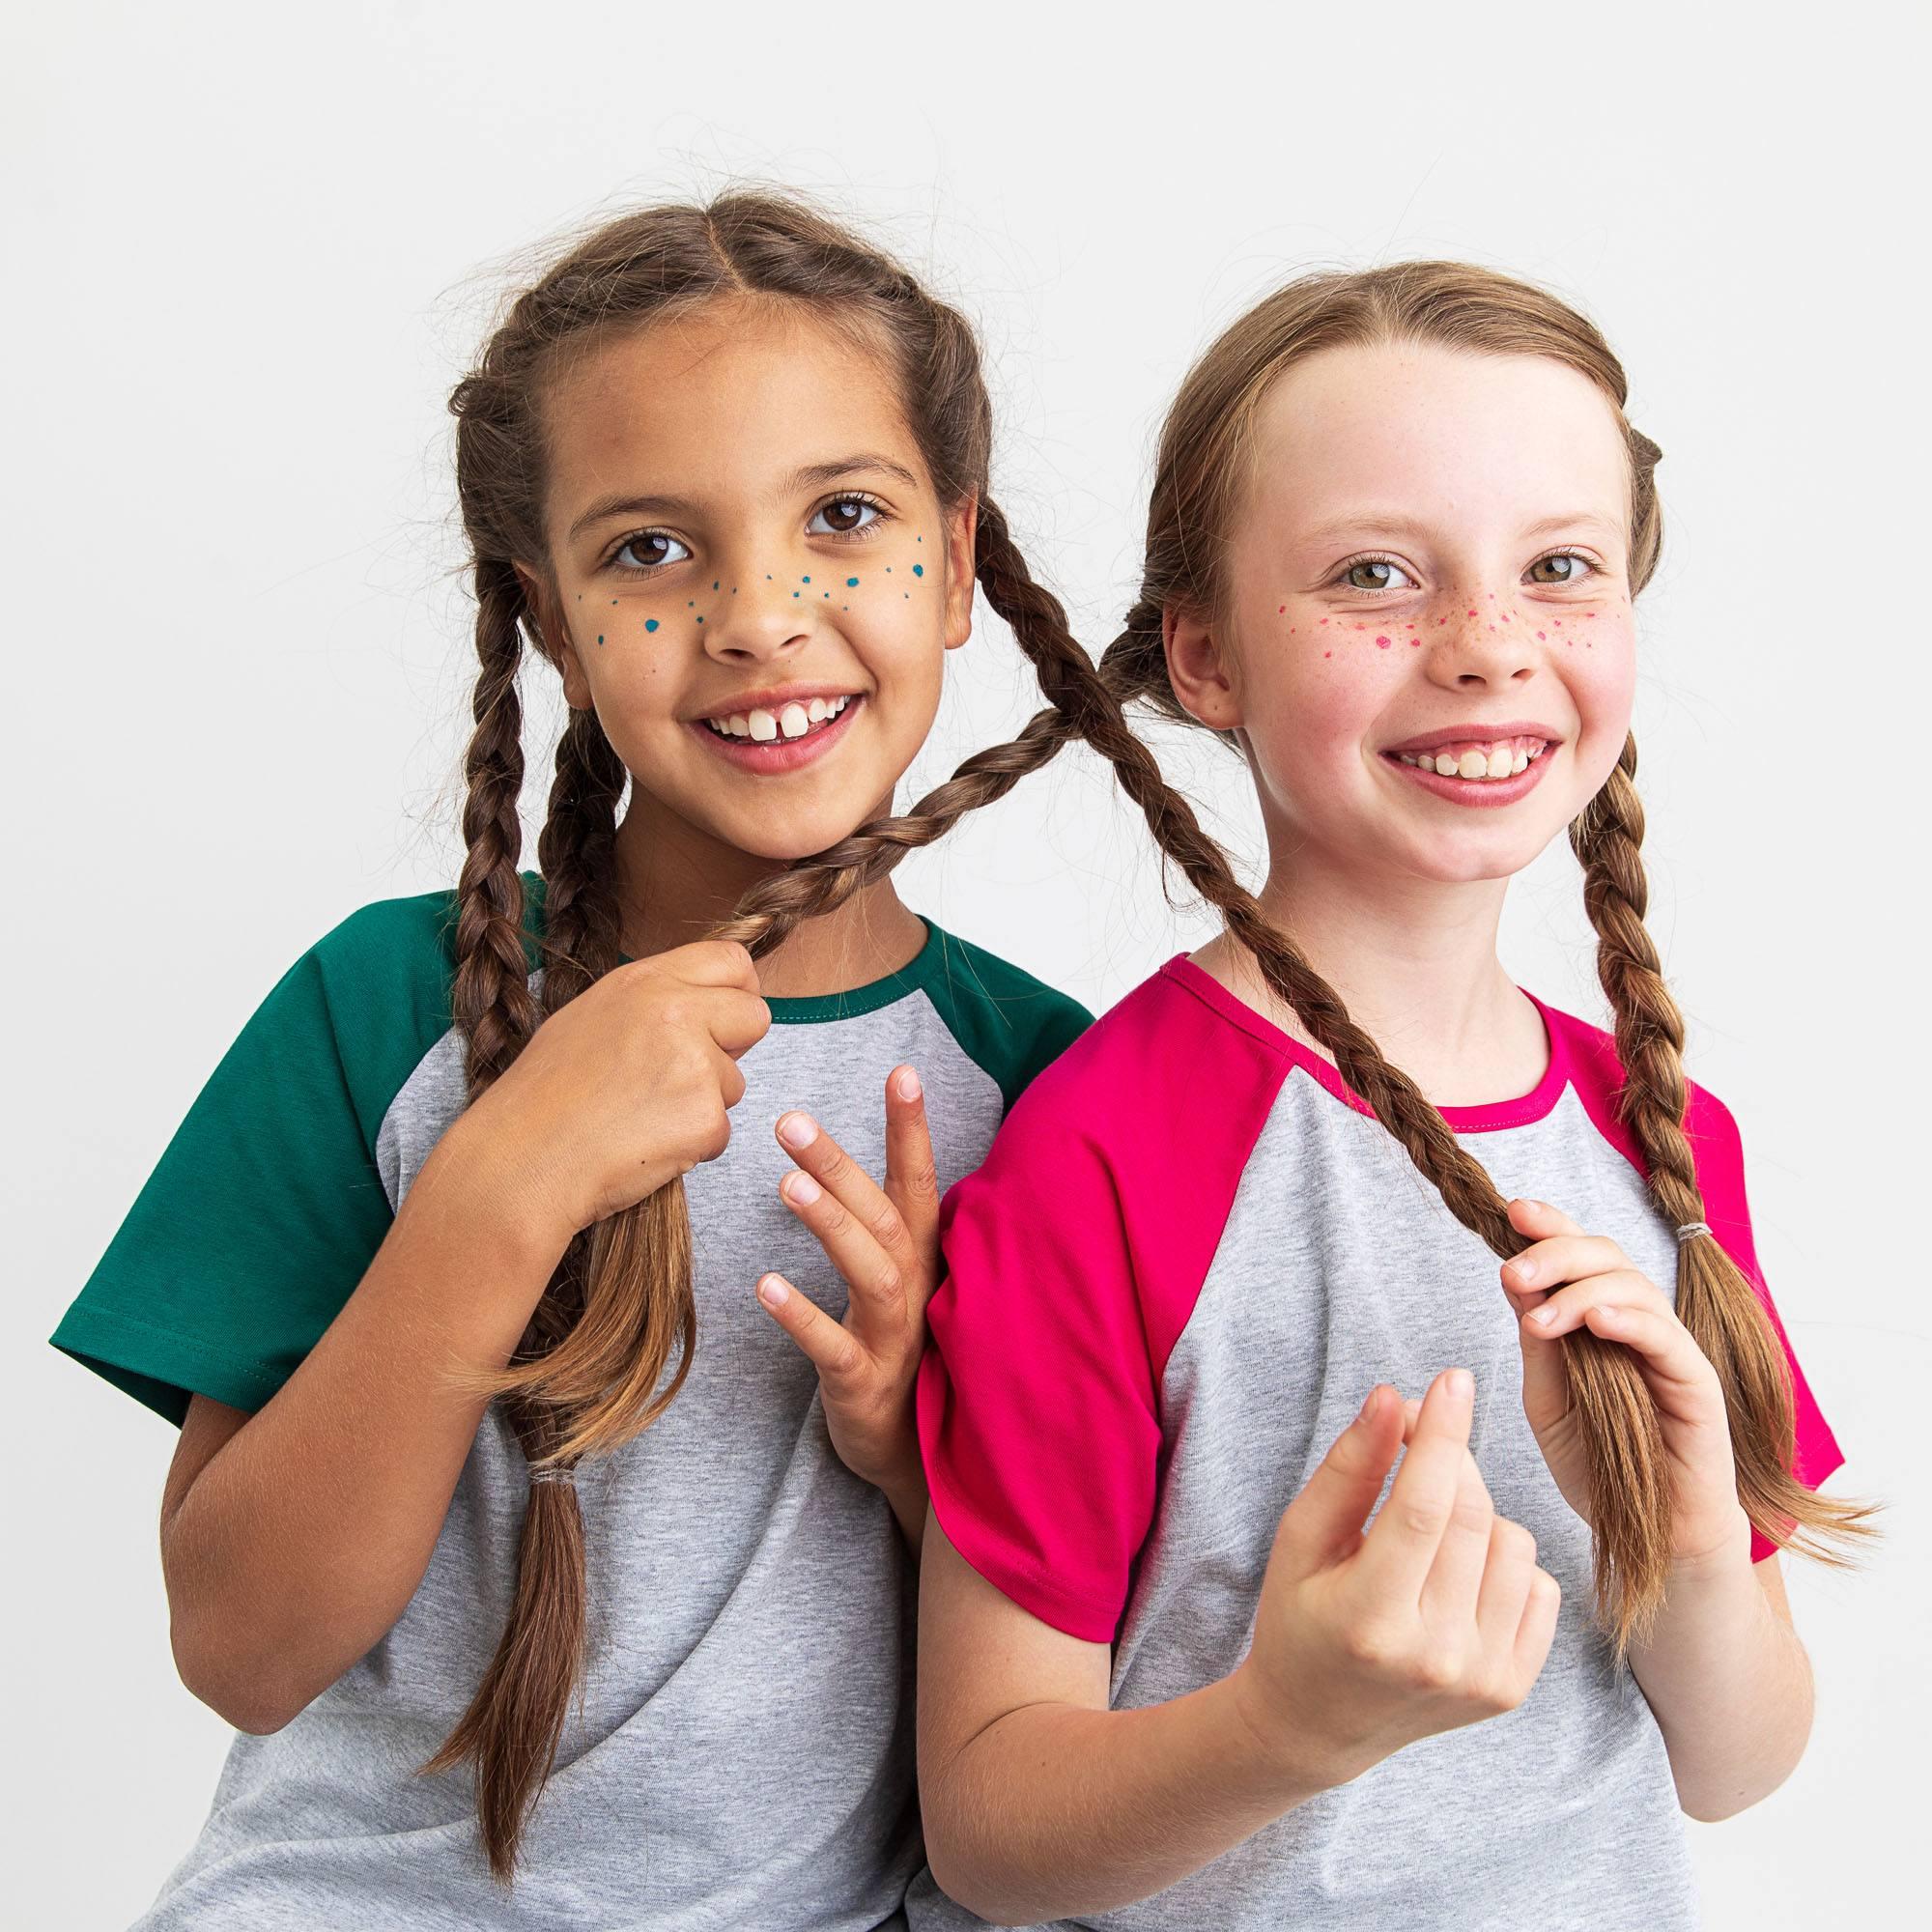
815	475
1405	527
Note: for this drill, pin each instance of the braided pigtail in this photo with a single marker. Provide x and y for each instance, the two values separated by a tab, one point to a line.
1714	1300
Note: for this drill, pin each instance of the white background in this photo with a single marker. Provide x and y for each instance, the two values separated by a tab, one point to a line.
249	249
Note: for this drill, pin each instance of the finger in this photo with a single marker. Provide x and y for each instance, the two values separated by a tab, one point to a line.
1539	1220
847	1183
731	1081
832	1349
1667	1350
711	963
912	1179
873	1272
1564	1257
736	1020
1510	1566
1538	1626
1401	1542
1456	1576
1559	1313
1324	1520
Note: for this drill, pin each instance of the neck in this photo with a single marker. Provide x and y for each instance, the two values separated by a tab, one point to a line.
1416	964
677	884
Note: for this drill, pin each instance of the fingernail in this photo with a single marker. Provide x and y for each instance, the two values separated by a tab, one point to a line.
1525	1272
909	1088
773	1292
1543	1316
1462	1385
802	1189
797	1130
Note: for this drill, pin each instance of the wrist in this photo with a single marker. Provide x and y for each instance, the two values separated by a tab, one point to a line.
1289	1764
1719	1546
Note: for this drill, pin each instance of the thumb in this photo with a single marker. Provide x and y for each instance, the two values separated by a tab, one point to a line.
1323	1524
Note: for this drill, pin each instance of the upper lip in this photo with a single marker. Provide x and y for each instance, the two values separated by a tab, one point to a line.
1473	735
773	698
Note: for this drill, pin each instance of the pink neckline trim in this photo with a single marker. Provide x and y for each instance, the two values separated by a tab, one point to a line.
1485	1118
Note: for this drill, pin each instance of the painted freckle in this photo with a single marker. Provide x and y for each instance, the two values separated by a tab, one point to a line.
1542	636
599	639
1416	643
1472	613
805	579
1325	621
851	583
650	623
701	620
918	570
1327	654
713	583
1283	612
1382	643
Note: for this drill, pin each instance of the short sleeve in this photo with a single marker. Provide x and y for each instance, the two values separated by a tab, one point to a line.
1718	1154
265	1209
1037	1405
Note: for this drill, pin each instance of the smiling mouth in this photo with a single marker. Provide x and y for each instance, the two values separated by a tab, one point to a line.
799	719
1480	761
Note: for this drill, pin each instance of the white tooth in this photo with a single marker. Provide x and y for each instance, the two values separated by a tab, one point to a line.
793	722
1536	750
1521	762
741	725
1499	762
764	726
817	710
1472	765
1445	765
1407	758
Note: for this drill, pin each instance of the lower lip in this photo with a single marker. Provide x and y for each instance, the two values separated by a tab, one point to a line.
780	754
1476	791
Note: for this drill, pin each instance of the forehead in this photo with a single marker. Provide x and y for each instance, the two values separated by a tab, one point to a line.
720	400
1440	433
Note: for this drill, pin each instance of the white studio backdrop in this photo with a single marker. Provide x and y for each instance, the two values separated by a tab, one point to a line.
249	250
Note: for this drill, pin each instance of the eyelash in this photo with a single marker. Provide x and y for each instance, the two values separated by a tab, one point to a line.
882	517
1377	557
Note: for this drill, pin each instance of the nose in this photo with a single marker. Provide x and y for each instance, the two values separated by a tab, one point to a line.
754	620
1486	646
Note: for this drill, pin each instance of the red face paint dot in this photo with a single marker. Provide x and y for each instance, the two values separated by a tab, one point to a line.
1382	643
1325	621
1506	616
1327	654
1472	613
1542	637
1558	622
1416	643
1493	596
1589	613
1442	620
1283	612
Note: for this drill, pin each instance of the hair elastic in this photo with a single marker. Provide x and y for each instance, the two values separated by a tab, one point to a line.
553	1472
1690	1228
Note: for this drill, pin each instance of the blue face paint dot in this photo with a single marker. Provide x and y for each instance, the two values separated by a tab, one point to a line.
713	583
889	570
600	640
851	584
918	570
805	579
794	593
650	623
701	620
690	604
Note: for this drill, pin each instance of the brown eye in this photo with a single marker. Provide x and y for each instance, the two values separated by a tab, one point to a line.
843	515
650	549
1377	573
1574	569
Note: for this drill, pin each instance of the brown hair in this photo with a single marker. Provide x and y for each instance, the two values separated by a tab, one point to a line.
1206	451
594	1366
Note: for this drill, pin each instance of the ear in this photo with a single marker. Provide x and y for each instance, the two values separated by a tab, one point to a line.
962	528
556	645
1199	671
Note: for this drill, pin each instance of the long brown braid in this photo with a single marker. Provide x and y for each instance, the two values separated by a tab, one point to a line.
609	1343
1206	450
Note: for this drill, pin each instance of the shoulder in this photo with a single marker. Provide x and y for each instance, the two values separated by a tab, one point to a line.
379	985
1011	1023
1597	1072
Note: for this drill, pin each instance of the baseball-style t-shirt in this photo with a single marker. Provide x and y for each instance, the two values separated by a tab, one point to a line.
741	1753
1190	1255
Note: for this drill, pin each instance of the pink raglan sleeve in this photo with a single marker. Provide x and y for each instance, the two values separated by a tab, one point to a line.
1037	1414
1718	1153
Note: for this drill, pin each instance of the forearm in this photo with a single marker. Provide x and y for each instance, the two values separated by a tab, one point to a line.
305	1535
1728	1682
1055	1810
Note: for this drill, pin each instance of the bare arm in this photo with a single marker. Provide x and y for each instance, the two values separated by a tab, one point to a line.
1041	1802
1728	1681
292	1539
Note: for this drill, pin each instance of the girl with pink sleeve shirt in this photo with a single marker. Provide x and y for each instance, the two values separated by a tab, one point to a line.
1167	1677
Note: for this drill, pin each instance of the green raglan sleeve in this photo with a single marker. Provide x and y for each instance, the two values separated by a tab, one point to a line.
1008	1022
266	1207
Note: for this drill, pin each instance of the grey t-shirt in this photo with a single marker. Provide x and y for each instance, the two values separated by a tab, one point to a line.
742	1755
1189	1256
